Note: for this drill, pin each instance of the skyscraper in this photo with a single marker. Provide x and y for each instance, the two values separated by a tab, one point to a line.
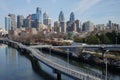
63	27
28	23
20	19
39	15
78	25
62	22
57	27
72	17
34	20
7	23
45	16
109	24
47	21
13	21
61	17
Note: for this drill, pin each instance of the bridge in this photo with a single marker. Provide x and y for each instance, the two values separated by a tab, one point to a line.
87	47
59	69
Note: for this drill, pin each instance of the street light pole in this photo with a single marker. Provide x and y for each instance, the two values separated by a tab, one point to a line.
106	68
67	57
116	40
105	63
50	50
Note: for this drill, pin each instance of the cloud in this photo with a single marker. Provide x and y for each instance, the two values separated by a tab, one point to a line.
85	5
28	1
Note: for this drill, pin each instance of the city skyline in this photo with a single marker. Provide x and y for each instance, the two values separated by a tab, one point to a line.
97	11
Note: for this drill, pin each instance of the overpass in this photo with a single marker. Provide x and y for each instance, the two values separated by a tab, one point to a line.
59	69
87	47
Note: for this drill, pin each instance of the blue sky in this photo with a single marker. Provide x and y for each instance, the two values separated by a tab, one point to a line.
97	11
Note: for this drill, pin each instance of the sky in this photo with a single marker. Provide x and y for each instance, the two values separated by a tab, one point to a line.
97	11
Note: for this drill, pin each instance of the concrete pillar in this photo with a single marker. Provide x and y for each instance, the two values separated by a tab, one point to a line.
58	76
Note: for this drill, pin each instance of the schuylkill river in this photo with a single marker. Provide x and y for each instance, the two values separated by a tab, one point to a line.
15	66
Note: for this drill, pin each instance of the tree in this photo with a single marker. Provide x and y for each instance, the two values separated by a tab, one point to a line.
70	35
77	39
112	36
92	39
104	39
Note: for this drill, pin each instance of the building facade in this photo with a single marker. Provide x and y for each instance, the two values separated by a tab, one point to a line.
39	16
20	19
7	23
88	26
13	21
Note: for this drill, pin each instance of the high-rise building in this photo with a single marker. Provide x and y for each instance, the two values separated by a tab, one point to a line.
61	17
46	19
13	21
28	23
57	27
7	23
34	16
20	19
47	22
63	27
34	20
78	25
62	22
72	27
39	15
72	17
45	16
109	24
88	26
100	27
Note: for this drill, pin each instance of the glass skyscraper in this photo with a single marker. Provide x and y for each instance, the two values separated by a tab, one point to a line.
61	17
39	15
7	23
72	17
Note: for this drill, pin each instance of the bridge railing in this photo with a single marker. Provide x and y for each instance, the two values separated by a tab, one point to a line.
69	71
80	69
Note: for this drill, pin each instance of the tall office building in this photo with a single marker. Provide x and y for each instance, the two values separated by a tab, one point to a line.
62	22
63	27
72	17
61	17
7	23
47	21
39	15
78	25
109	24
13	21
34	16
45	16
28	23
57	27
88	26
20	19
34	20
